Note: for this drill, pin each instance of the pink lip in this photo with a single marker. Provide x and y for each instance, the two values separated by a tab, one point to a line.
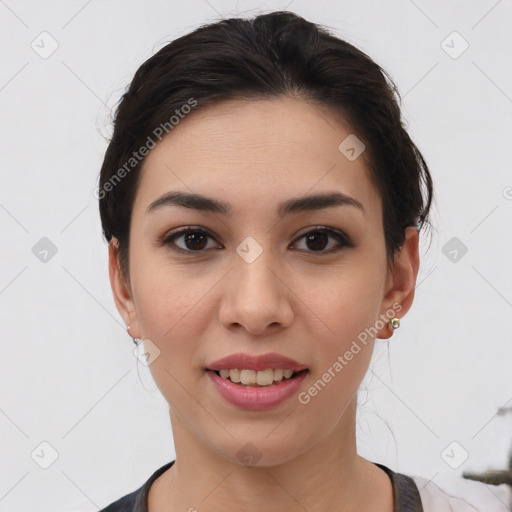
256	398
261	362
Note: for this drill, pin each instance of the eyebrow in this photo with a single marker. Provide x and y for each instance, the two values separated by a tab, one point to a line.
294	205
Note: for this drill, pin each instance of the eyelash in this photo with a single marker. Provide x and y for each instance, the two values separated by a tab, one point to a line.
342	239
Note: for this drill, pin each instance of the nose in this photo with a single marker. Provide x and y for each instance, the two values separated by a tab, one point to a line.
256	297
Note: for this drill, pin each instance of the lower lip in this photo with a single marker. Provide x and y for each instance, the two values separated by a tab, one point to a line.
253	398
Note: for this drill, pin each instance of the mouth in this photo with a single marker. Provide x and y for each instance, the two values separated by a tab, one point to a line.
258	379
257	390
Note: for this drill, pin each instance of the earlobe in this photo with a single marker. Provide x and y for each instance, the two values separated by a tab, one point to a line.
121	290
402	282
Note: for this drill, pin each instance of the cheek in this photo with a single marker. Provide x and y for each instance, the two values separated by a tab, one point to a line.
172	316
347	306
343	349
346	302
166	295
172	313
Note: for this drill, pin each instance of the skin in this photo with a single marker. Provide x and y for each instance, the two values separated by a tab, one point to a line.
303	303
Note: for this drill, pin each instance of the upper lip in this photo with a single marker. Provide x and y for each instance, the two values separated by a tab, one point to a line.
256	362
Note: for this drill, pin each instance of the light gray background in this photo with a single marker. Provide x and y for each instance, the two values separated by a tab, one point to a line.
68	374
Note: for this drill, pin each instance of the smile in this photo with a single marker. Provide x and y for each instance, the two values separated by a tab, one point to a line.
256	378
256	396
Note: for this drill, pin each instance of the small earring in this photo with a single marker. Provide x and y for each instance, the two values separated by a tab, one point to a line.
394	323
135	340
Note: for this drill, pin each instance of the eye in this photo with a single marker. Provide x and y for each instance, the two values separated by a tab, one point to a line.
194	240
317	239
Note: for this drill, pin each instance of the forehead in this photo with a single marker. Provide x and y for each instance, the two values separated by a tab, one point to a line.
256	152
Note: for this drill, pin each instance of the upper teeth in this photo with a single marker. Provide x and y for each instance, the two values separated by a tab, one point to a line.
263	378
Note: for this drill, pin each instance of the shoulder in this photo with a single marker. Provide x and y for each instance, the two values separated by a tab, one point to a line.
124	504
456	494
136	501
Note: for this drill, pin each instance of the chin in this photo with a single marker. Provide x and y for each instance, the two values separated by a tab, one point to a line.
258	452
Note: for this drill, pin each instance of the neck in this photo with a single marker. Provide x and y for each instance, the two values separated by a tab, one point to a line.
329	476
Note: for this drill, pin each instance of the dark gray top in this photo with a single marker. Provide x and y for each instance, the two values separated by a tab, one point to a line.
405	493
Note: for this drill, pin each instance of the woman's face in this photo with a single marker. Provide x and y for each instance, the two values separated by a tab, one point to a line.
262	278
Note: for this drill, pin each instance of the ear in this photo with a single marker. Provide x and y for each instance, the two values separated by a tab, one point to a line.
121	290
401	281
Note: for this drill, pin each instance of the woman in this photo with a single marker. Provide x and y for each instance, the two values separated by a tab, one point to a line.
263	202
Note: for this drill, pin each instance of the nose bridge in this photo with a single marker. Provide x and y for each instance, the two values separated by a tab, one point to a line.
252	270
257	298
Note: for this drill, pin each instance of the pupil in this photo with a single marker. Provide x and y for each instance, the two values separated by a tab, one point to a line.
192	241
316	244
